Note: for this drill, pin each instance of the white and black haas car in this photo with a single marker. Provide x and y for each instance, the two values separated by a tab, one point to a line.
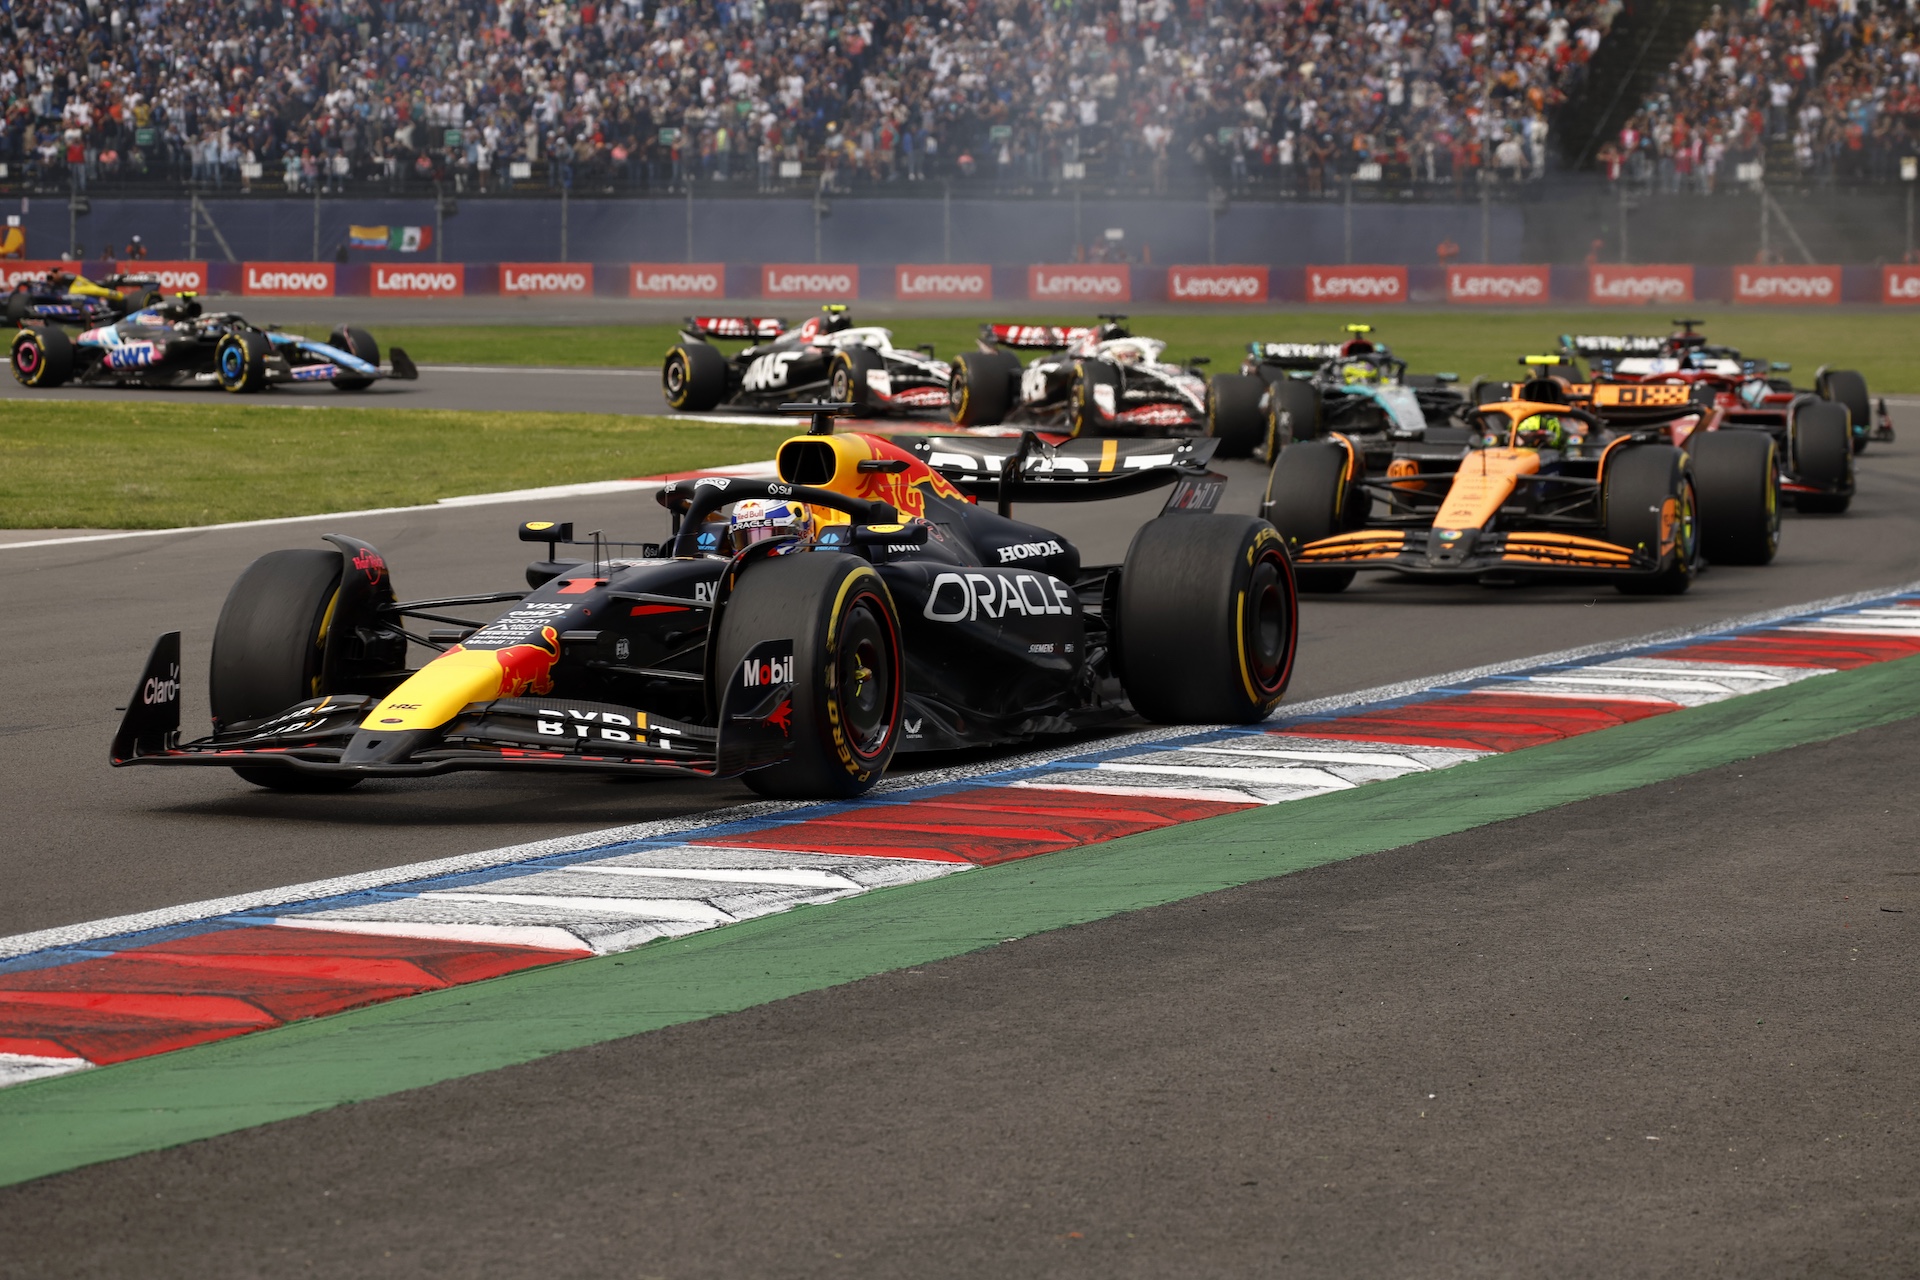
861	603
1094	380
826	358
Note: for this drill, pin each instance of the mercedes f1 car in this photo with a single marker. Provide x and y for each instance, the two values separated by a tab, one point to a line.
174	344
1541	487
1097	380
1288	391
826	358
61	297
893	613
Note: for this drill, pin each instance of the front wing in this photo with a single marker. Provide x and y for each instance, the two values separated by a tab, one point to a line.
1420	551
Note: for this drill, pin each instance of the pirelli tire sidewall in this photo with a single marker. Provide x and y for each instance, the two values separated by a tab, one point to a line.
1085	416
849	668
1309	497
980	387
693	377
240	361
847	379
1736	481
1648	504
42	357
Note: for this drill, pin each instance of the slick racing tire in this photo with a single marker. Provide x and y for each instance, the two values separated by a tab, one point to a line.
357	342
1822	454
1293	413
1849	389
980	390
1736	482
240	361
847	662
1233	413
1647	495
18	303
1208	620
694	377
847	379
1308	498
1087	417
42	357
267	650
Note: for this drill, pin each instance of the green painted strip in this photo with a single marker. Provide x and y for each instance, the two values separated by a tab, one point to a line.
158	1102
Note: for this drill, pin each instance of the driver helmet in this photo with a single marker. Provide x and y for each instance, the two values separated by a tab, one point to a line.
757	519
1357	373
1540	431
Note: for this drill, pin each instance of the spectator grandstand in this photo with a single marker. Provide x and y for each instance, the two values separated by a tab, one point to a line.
481	96
1790	89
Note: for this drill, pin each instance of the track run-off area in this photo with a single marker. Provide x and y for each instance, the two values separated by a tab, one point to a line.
184	956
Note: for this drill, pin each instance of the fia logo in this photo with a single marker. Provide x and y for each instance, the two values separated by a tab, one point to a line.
755	673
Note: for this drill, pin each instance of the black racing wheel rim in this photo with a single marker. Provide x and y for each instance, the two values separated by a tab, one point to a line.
28	359
1268	624
674	375
865	681
232	358
840	388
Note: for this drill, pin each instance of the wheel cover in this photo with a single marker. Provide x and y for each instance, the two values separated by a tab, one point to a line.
26	357
839	390
675	376
233	361
864	678
1267	625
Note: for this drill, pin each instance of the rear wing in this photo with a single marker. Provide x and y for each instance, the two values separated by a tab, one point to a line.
1083	470
1294	355
1033	337
749	328
1613	344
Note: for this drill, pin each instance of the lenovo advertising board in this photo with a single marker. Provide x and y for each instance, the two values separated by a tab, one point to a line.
1787	286
830	280
534	279
1505	286
1217	284
12	271
286	279
1357	284
1900	285
960	281
1080	283
676	280
422	280
1625	285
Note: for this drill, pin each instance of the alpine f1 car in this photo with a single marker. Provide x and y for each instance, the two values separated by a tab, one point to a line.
1541	487
826	358
861	603
1288	391
172	343
61	297
1097	380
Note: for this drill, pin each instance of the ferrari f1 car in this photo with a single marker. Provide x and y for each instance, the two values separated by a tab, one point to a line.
893	612
1097	380
1540	487
826	358
1288	391
174	344
61	297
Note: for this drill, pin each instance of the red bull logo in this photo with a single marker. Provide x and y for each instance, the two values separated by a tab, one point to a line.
528	668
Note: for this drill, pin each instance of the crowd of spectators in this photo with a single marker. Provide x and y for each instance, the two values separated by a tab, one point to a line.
1827	90
313	95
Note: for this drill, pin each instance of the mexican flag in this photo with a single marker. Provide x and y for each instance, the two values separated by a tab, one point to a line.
398	239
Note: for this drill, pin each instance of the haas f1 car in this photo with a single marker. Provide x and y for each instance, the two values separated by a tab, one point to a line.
862	603
1097	380
1540	487
1287	391
174	344
827	358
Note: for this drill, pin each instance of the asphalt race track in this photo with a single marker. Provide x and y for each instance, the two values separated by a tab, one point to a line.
1232	1085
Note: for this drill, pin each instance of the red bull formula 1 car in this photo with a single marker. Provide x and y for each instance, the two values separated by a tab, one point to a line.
172	343
1097	380
826	358
895	614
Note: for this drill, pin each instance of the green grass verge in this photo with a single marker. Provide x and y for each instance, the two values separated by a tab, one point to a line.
150	1103
158	466
1878	343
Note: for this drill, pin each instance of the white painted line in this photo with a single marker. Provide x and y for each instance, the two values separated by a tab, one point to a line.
1382	759
547	938
798	879
18	1068
676	909
1319	779
263	900
1216	795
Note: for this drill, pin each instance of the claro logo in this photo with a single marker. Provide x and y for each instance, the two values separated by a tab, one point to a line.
544	280
283	280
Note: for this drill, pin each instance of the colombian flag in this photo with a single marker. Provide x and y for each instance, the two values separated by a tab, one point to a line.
398	239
